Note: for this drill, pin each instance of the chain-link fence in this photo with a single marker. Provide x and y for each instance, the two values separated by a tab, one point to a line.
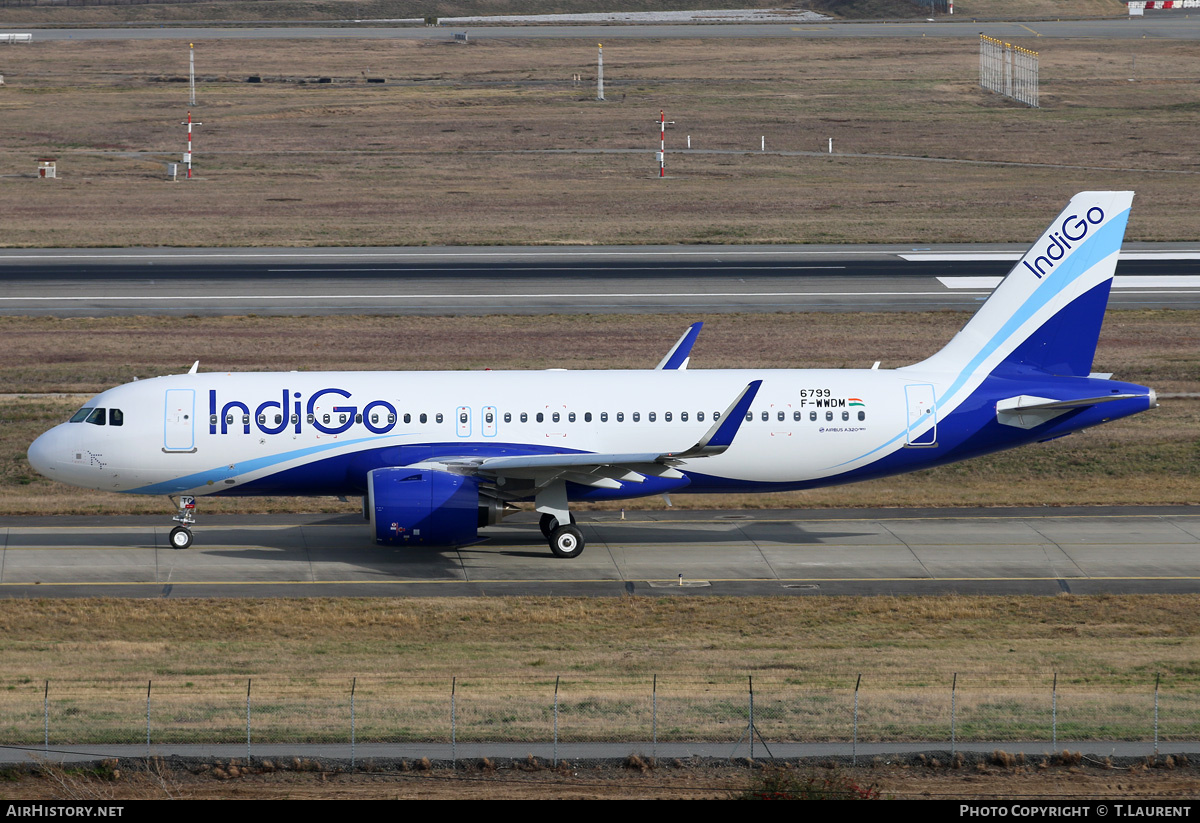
642	712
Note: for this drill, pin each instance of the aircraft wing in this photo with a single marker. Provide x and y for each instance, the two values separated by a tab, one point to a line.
602	470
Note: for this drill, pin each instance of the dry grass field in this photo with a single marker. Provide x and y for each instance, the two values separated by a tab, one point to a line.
345	10
492	142
822	642
98	655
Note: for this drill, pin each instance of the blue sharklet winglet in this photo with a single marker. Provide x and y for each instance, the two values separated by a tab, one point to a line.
720	436
677	358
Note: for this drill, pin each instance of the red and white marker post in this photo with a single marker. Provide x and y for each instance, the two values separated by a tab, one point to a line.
187	157
663	122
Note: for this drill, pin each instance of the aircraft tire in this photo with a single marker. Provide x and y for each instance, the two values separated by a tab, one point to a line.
566	541
549	523
180	538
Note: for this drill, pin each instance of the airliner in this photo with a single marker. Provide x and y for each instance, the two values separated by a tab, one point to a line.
438	455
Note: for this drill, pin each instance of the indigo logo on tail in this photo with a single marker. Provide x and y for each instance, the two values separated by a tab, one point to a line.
1073	229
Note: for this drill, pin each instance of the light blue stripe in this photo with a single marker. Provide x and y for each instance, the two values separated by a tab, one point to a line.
193	481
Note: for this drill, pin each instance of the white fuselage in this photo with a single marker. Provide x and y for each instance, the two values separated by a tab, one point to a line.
206	433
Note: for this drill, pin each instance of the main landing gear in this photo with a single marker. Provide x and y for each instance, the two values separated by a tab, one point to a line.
181	535
565	541
551	501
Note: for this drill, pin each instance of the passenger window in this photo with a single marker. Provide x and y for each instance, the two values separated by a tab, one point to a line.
462	418
438	417
812	416
358	418
82	414
603	417
828	415
508	417
116	417
570	417
683	417
540	417
407	417
262	420
424	418
637	416
212	419
392	418
699	416
781	417
278	419
845	415
295	419
862	415
524	417
311	418
716	416
651	417
245	420
796	416
620	417
749	416
324	418
487	418
374	418
667	416
229	420
766	416
587	417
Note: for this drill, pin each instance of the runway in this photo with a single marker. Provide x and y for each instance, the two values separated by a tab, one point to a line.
535	280
759	552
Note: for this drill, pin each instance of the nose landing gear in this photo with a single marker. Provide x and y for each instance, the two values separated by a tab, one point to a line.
181	535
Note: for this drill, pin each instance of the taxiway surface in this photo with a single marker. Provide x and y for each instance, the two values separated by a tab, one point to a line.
796	552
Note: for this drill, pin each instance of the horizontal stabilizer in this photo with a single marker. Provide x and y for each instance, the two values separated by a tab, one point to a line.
1027	411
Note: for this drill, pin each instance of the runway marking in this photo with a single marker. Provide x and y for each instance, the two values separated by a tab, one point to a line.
961	257
1122	281
1031	31
551	267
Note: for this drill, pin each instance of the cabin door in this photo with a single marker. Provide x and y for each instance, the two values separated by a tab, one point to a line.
922	415
179	418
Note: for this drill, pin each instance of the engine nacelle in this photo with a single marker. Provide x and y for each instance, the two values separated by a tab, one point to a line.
418	507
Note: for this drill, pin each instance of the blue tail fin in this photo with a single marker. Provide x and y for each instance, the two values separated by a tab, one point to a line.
1046	314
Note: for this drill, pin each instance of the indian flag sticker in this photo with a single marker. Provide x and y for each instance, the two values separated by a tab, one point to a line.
856	401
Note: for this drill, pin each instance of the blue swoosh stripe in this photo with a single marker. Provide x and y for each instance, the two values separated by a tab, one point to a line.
192	481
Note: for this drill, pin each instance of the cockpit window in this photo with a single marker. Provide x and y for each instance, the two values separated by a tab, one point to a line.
81	415
96	417
116	417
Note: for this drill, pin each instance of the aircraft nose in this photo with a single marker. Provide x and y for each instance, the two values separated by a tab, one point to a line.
41	454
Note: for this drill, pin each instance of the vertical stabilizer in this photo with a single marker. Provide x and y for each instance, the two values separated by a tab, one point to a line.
1045	316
